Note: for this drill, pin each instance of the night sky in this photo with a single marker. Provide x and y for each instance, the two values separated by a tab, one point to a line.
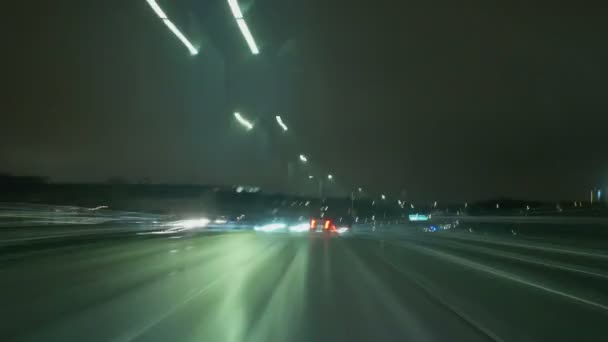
448	100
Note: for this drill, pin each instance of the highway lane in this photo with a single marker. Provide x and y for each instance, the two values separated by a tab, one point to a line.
248	286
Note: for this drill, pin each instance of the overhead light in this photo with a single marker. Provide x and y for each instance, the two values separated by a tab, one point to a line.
156	8
248	37
163	16
330	177
281	123
303	158
240	21
244	122
235	8
193	51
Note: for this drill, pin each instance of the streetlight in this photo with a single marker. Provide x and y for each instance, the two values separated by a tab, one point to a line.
360	189
240	21
281	123
244	122
383	197
303	158
163	16
330	177
311	176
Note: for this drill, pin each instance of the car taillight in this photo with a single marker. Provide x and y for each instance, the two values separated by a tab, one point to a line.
327	224
313	224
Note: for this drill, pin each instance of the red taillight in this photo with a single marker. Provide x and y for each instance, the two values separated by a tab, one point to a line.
327	224
313	224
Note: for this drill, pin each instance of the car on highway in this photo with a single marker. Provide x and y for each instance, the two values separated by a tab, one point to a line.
330	224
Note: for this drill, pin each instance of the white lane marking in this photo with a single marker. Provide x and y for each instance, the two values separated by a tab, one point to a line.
531	260
503	274
537	247
287	301
385	296
134	334
437	297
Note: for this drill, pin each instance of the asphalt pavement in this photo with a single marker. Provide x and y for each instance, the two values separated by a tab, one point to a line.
256	286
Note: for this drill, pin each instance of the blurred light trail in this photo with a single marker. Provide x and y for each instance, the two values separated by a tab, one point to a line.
240	21
418	217
156	8
235	8
270	227
298	228
163	16
281	123
181	37
248	37
98	208
196	223
303	158
181	225
244	122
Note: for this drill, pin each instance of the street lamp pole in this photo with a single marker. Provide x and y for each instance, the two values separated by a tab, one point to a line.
290	177
320	188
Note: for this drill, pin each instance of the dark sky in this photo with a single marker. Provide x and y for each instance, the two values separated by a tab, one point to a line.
449	100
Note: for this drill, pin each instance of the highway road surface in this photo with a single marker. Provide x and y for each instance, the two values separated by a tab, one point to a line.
256	286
